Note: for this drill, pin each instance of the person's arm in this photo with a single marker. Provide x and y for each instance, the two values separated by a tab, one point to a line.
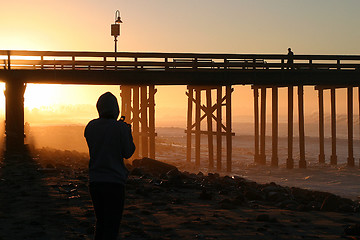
128	146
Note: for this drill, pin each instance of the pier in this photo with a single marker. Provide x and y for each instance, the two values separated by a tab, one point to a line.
203	74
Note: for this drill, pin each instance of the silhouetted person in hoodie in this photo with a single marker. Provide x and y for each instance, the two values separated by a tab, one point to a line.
109	142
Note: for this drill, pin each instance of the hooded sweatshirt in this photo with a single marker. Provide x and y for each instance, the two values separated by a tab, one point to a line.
109	142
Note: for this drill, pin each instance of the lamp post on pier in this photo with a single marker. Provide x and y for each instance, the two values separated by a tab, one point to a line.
115	31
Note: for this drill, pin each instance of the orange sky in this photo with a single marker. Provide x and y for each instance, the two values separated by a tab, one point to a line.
232	26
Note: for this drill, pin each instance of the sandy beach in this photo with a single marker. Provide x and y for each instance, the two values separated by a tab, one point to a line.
46	197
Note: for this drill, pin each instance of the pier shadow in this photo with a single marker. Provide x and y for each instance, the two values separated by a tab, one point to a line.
38	203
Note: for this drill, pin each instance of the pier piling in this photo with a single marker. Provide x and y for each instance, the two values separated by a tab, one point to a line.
190	95
14	116
321	125
262	126
290	160
350	160
274	157
333	157
207	111
138	107
210	129
218	128
302	160
256	124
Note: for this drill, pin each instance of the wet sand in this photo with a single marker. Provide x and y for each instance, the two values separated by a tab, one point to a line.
46	197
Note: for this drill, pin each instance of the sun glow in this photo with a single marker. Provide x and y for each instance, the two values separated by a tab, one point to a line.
40	95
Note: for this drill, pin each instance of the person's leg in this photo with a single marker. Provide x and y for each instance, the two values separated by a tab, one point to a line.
97	197
114	205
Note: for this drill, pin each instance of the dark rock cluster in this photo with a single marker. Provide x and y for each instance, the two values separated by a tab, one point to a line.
237	191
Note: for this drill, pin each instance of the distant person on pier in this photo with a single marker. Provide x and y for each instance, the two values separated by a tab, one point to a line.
290	57
109	142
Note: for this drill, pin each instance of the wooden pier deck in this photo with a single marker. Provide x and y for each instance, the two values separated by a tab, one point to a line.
177	68
139	73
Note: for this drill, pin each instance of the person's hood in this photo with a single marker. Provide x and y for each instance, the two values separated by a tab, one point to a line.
107	106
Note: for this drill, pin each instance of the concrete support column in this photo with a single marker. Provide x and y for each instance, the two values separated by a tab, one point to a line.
350	160
290	160
262	126
333	158
321	125
14	116
302	160
274	157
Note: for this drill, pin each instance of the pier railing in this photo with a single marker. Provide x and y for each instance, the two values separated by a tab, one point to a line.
66	60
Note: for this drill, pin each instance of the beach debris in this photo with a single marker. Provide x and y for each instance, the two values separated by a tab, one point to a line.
200	236
335	203
137	172
200	174
239	199
253	194
331	203
49	165
74	197
204	195
152	166
240	192
261	229
173	173
227	204
145	212
352	230
142	191
47	170
265	218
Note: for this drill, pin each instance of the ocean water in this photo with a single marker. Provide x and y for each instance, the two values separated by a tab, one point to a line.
174	139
